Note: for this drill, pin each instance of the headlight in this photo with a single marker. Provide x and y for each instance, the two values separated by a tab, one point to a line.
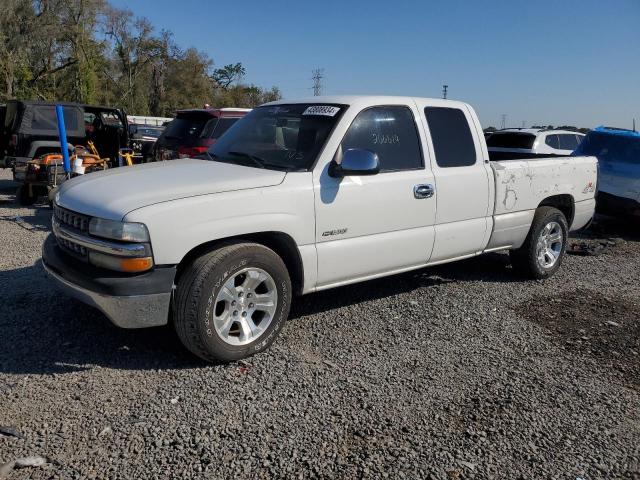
125	231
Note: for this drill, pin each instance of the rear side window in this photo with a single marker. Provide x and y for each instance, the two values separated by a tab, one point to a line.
552	141
391	133
451	136
568	142
511	140
186	126
44	118
207	131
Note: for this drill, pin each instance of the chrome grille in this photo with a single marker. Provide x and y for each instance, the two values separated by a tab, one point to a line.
72	247
71	219
76	221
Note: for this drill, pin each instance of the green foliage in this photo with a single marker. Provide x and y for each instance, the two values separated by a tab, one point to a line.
90	52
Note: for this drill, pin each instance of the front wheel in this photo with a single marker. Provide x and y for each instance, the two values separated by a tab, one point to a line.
232	302
543	250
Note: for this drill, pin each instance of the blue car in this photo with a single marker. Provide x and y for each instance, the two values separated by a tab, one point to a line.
618	153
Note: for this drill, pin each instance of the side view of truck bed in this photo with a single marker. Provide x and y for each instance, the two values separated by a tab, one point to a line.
521	186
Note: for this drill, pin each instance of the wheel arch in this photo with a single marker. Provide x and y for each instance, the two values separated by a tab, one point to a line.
563	202
281	243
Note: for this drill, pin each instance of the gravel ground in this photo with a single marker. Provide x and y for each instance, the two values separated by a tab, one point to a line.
460	371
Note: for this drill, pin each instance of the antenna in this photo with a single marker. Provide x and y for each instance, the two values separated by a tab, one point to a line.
318	75
503	121
444	91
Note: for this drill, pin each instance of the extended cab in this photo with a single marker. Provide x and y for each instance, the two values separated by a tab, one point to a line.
304	196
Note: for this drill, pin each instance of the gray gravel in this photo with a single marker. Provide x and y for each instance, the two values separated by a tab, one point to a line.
440	373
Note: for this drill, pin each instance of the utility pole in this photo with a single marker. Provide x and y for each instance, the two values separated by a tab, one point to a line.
318	75
444	91
503	122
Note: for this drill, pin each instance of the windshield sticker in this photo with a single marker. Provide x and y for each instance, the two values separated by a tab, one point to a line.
325	110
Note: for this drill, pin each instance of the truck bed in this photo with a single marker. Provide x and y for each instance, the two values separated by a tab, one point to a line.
522	184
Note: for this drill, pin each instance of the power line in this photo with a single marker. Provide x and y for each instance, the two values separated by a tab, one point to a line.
318	75
444	91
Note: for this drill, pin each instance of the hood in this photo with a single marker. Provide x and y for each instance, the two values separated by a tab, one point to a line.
115	192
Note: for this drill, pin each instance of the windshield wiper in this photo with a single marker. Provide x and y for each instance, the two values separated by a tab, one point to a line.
256	160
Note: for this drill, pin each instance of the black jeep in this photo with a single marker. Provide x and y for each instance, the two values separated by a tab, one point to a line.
30	130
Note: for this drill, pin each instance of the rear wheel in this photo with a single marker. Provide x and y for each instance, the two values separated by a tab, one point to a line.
543	250
232	302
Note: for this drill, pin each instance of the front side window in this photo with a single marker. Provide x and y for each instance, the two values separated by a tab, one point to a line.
390	132
451	136
552	141
282	137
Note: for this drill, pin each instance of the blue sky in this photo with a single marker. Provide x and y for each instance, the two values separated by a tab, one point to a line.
554	62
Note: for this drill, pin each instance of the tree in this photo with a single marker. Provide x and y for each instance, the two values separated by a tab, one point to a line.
229	74
90	52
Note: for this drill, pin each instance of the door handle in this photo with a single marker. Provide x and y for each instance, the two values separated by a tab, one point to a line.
424	191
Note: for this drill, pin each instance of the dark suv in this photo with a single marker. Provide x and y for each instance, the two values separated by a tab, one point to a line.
30	130
192	132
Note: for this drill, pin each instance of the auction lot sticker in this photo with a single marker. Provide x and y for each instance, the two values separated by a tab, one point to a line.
325	110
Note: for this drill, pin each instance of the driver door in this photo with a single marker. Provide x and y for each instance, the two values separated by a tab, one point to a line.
368	226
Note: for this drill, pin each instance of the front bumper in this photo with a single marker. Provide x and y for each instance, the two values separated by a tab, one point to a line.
136	301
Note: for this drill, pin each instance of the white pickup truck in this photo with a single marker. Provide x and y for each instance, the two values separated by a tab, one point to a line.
301	196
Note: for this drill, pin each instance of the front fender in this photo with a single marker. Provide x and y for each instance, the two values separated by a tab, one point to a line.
176	227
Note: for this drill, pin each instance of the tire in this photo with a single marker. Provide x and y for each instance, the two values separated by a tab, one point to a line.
24	197
214	316
534	260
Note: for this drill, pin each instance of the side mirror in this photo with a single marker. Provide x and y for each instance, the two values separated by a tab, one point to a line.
133	129
355	162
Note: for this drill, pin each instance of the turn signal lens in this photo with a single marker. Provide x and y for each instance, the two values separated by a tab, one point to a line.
128	265
136	264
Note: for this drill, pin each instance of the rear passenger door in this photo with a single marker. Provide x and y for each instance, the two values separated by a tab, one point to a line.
462	180
371	225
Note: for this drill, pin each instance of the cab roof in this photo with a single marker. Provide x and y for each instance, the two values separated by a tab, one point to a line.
366	100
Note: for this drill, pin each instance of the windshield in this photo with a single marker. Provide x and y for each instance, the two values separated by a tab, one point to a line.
284	137
511	140
186	127
611	148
